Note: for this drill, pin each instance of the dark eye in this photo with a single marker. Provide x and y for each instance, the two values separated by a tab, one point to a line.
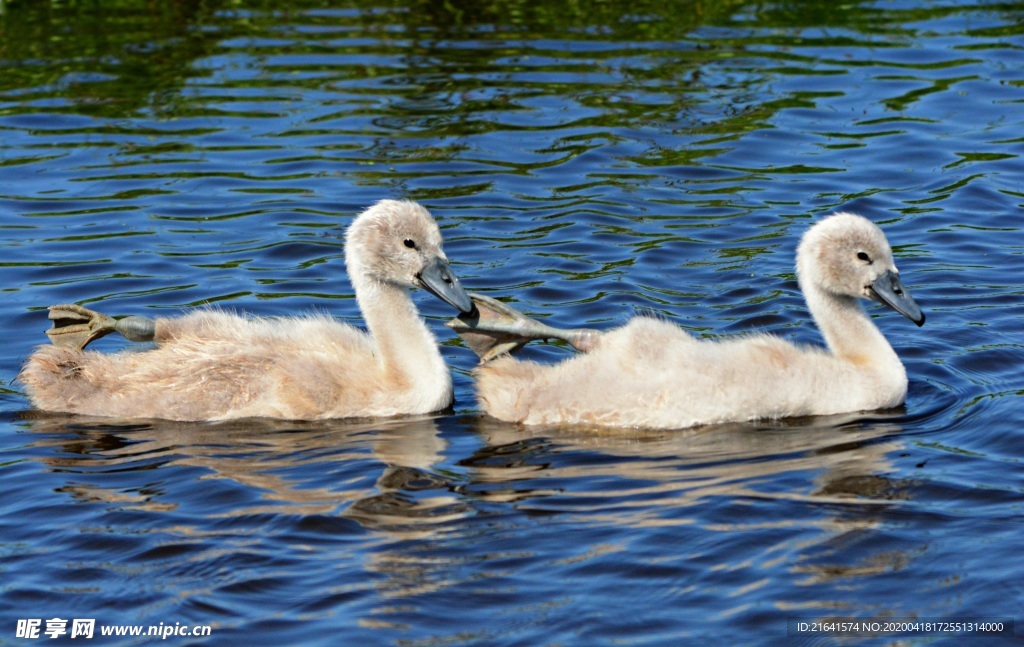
410	243
861	255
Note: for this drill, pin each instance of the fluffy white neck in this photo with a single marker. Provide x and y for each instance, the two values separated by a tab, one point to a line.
850	333
406	351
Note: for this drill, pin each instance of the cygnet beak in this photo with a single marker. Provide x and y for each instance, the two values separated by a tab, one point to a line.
888	289
438	279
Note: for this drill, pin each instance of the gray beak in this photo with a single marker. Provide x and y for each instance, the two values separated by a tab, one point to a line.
437	278
888	289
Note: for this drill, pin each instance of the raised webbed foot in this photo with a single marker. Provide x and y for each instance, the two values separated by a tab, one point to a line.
77	327
494	329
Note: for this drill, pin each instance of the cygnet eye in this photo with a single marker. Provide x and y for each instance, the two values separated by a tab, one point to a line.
410	243
864	257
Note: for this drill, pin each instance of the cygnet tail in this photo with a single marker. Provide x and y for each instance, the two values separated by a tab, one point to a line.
56	379
505	387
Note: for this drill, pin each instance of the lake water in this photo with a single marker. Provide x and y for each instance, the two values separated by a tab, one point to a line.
587	161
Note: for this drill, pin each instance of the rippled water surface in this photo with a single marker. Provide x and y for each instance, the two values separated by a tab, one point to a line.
587	160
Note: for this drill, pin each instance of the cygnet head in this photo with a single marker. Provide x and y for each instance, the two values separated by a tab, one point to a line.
848	255
397	242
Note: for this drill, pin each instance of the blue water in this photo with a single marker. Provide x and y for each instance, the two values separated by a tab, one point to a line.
586	162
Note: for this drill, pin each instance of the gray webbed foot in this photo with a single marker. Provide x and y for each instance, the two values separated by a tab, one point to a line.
495	329
77	327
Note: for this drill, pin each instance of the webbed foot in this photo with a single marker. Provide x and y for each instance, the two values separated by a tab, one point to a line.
494	329
77	327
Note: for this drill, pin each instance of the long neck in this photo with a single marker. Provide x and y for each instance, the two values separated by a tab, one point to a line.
407	352
849	332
